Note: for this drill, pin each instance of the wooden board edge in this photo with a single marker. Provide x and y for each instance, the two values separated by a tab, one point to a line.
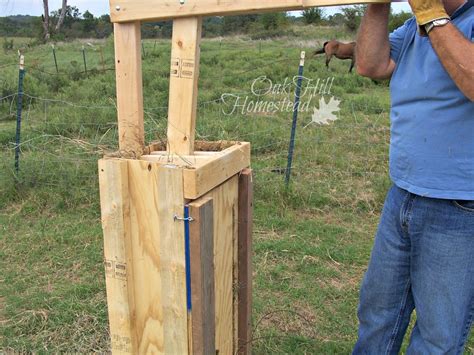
202	276
245	217
126	10
197	182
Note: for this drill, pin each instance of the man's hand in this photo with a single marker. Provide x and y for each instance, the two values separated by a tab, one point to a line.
427	11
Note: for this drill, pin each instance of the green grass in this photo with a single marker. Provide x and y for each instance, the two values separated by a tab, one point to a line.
312	241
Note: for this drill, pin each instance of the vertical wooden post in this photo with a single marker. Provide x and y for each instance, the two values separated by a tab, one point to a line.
184	76
128	69
202	276
115	209
245	262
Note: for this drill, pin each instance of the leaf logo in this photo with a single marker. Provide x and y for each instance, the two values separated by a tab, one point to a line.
325	113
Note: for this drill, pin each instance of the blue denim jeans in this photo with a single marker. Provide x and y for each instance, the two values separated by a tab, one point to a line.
423	260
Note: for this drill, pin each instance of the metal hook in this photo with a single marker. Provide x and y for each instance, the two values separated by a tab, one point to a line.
188	219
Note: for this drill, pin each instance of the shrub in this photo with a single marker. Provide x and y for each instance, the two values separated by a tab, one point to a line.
313	15
398	19
7	44
273	21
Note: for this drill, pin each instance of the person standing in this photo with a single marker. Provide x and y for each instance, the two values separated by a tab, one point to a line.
423	253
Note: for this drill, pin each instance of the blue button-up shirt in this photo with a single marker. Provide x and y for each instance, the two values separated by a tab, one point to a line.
432	121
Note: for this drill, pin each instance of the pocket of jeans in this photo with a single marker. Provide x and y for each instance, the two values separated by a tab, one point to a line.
466	205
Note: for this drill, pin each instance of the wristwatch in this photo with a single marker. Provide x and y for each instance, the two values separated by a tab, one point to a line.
436	23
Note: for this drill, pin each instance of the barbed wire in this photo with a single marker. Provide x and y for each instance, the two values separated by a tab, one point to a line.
55	149
148	112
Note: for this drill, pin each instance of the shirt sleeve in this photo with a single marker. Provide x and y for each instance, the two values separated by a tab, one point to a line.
396	38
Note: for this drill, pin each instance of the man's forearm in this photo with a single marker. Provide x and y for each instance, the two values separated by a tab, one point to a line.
455	53
373	46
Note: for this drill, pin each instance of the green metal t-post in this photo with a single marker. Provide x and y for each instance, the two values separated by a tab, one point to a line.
295	119
19	109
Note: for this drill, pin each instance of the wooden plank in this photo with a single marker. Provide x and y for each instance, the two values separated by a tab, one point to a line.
199	146
128	70
172	254
216	170
148	10
235	282
184	85
225	200
202	276
245	262
115	211
156	195
203	173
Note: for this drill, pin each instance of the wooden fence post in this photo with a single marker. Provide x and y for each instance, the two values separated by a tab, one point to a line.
128	64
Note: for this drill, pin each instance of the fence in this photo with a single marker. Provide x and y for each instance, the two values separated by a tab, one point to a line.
51	135
69	122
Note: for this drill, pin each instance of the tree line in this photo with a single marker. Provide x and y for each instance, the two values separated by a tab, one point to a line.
68	23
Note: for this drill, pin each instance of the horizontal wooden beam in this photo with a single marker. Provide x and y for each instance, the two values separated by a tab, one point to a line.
203	172
150	10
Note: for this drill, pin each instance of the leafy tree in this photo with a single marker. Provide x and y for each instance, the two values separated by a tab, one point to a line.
398	19
72	15
7	25
89	22
274	20
352	16
337	19
313	15
105	18
236	24
62	15
103	26
212	26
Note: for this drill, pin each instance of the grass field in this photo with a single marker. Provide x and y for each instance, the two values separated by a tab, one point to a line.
312	241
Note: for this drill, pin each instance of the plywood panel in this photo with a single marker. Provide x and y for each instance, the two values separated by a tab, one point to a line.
115	211
129	10
156	195
225	200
